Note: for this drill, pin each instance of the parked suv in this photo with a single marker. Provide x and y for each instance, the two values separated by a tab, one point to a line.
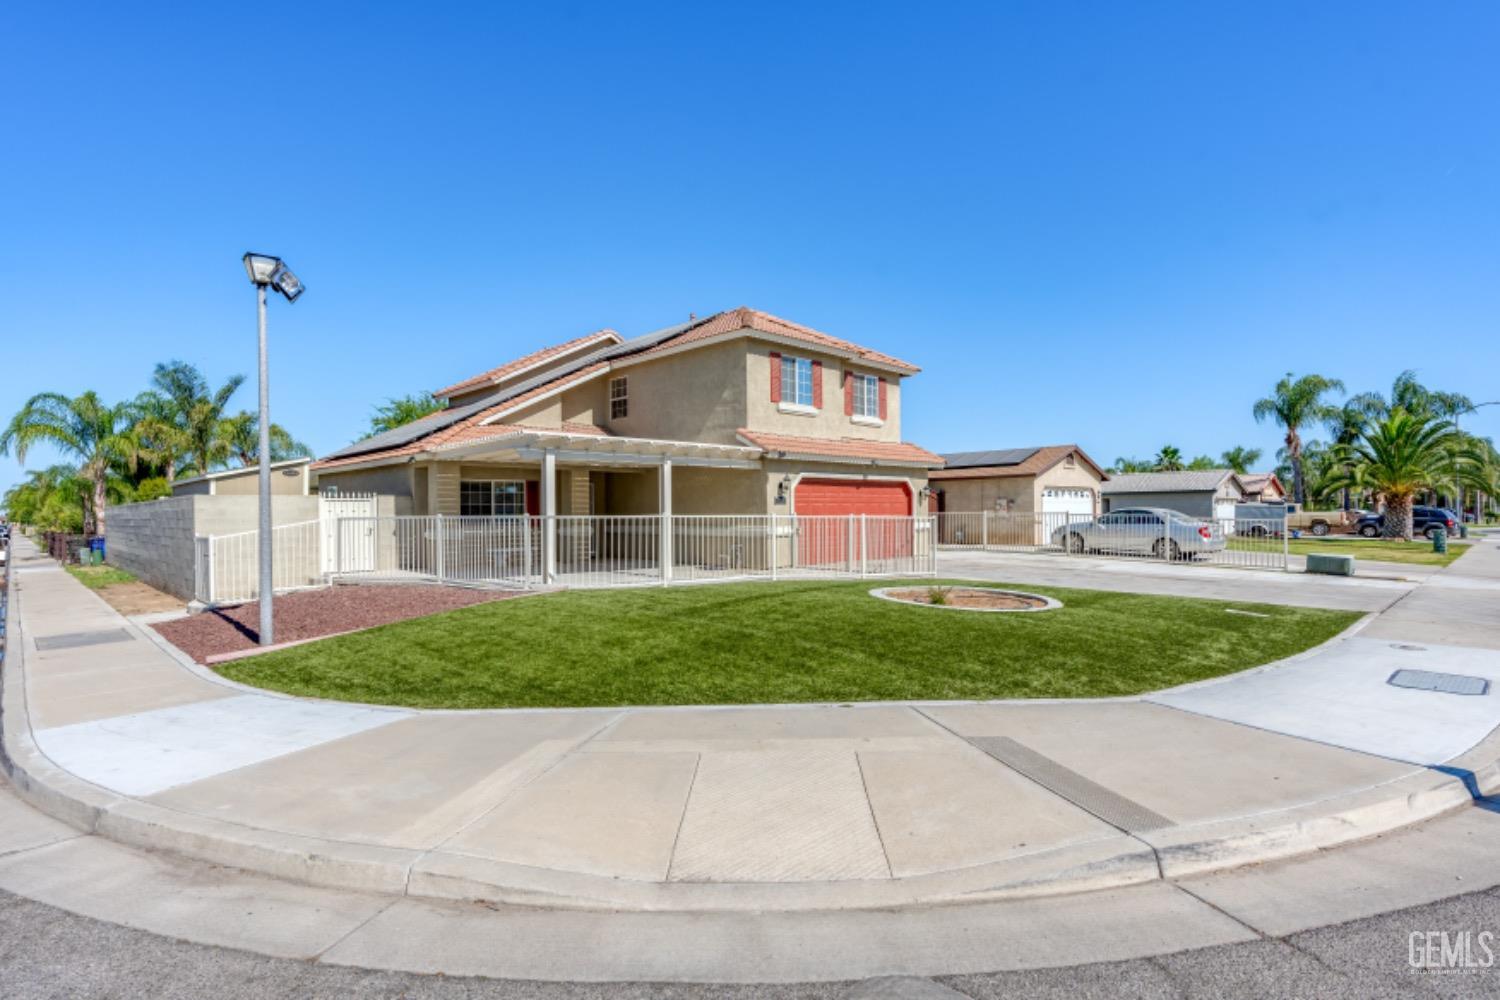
1424	521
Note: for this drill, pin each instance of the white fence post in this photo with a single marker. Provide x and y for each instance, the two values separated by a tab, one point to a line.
864	546
338	546
440	542
1286	544
984	534
774	548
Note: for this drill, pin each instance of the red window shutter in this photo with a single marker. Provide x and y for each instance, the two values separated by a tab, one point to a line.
533	497
775	377
817	385
882	399
848	395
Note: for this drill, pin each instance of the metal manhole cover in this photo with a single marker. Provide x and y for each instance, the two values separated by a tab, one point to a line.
1427	680
1408	646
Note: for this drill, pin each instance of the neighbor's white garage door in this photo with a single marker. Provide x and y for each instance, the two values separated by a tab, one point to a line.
1078	503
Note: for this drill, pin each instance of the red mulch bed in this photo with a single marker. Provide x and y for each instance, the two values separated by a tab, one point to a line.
314	613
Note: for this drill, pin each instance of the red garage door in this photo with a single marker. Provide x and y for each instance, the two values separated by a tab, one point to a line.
853	496
830	529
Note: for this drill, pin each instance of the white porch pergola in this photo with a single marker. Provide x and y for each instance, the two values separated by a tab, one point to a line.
594	451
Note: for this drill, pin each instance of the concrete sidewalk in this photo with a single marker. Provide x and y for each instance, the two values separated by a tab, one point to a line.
807	808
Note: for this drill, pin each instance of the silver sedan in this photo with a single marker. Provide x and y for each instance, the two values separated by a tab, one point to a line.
1153	531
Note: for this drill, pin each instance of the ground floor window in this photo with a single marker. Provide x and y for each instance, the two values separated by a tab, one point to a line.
491	497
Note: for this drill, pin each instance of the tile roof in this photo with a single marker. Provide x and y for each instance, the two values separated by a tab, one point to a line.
888	451
521	364
1032	462
1186	481
746	318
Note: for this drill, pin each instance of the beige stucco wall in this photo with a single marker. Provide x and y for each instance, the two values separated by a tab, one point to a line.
698	395
246	482
386	480
969	495
828	422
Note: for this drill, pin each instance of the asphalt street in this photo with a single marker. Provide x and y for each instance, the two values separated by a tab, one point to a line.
49	953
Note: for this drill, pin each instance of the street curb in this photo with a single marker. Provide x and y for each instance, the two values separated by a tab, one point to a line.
1107	862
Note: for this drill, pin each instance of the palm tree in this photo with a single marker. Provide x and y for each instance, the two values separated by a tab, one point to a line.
1169	459
98	435
162	440
1126	465
240	438
1346	423
1240	459
1294	403
1403	454
197	410
403	410
1202	463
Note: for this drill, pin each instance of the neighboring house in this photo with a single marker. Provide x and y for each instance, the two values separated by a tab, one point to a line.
1262	487
290	478
1209	493
1055	479
737	413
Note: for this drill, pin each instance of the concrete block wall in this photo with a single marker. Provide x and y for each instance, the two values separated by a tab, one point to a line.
154	540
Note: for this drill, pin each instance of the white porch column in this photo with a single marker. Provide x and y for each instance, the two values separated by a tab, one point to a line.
549	516
664	504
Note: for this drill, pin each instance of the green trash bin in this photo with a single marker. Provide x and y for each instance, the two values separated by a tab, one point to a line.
1440	540
1463	531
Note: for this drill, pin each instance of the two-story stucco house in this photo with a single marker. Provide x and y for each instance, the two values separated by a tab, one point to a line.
737	413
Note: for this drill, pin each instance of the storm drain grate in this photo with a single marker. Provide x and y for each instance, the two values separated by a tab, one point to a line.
70	639
1116	810
1426	680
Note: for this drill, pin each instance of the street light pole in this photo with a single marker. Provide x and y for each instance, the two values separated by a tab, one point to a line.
267	577
266	271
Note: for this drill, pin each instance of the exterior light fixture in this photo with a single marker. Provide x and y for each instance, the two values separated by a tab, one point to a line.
782	488
265	272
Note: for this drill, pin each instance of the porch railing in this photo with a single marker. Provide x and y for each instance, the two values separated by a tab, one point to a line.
570	551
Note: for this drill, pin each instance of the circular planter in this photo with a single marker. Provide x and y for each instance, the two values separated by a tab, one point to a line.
988	599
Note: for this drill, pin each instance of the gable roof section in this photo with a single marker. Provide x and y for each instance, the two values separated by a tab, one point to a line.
722	325
1186	481
516	367
433	429
475	421
841	449
1011	462
1255	482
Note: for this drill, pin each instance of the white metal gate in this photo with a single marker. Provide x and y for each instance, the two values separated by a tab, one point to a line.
348	521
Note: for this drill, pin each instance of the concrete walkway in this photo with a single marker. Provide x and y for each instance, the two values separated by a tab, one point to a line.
680	812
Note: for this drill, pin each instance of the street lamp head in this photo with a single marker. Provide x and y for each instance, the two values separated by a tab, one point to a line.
261	267
285	282
264	269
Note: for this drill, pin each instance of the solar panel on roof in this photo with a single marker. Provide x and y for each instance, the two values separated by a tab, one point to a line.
434	422
976	459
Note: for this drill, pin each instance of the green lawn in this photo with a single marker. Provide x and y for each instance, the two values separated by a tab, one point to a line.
1418	551
99	577
783	642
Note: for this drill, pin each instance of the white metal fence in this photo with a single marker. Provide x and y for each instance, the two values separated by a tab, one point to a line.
228	565
569	551
1259	543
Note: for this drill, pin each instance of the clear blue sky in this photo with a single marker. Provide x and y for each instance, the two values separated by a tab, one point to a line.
1115	224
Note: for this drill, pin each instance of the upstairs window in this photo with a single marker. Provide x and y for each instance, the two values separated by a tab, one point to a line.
866	396
619	398
796	381
491	498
